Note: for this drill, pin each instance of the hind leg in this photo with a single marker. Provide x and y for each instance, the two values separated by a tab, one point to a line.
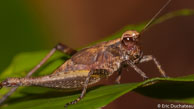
60	47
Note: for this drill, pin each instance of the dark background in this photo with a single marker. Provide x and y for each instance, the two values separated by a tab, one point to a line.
37	25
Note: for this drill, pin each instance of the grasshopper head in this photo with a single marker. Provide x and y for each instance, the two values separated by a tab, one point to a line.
129	38
129	41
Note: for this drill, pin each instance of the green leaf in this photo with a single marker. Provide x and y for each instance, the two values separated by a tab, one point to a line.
171	89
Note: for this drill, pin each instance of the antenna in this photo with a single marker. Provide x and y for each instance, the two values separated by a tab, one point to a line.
155	16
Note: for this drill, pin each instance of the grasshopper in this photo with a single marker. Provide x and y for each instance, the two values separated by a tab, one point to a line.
89	65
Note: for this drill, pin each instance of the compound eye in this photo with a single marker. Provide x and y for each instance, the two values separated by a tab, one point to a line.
127	41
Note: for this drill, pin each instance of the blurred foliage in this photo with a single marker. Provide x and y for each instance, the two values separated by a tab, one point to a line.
19	30
37	97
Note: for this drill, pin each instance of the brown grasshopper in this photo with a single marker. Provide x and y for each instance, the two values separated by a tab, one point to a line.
89	65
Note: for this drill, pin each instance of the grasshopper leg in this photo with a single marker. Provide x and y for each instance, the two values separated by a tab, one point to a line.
59	47
158	65
83	90
138	70
65	49
119	76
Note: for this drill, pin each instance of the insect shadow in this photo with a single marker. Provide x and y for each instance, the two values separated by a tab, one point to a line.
171	90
